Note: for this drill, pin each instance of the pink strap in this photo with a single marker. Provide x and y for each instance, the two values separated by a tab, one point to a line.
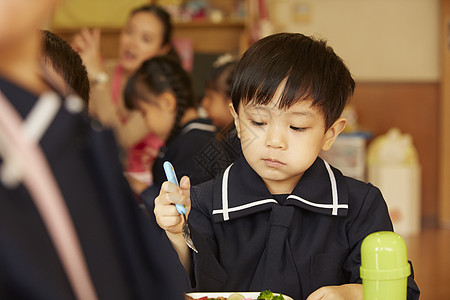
116	84
39	180
116	90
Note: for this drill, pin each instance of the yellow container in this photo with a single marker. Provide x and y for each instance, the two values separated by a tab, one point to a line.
384	266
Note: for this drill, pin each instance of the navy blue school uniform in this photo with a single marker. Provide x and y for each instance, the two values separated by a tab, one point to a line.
194	152
125	257
250	240
230	142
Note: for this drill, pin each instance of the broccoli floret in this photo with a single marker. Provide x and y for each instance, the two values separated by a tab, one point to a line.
266	295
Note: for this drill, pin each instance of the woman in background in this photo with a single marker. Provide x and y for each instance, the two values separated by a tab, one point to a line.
146	34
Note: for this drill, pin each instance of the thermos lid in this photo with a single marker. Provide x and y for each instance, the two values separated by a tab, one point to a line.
384	257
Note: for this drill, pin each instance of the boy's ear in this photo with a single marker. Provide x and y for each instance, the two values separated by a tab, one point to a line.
236	119
168	102
333	132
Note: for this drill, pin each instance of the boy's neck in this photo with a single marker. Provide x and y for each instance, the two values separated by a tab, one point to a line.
286	187
20	64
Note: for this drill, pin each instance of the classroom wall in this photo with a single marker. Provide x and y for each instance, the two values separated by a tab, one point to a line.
93	13
382	40
392	50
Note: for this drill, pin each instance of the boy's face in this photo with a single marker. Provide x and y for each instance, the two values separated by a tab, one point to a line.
280	145
20	17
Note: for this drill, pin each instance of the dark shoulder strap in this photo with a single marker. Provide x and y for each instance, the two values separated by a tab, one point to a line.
23	158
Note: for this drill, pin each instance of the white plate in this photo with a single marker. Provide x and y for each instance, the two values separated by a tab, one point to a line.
247	295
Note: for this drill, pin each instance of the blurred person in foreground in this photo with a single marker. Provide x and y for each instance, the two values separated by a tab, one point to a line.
67	227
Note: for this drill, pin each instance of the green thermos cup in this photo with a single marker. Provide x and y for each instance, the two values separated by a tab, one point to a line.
384	266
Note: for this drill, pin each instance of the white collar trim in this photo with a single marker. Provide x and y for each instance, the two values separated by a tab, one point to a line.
201	126
225	211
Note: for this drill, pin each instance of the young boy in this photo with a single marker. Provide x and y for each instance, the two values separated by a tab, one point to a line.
110	251
281	218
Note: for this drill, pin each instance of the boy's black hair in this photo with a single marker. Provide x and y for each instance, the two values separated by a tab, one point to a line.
166	21
158	75
66	62
312	69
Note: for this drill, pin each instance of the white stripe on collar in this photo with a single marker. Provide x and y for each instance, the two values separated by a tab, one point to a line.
334	194
225	211
333	206
334	191
34	126
201	126
226	216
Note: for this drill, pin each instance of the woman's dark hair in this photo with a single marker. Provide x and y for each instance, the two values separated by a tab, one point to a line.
66	62
310	68
159	75
166	21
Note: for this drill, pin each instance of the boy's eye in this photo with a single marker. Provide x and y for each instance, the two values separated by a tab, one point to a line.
258	123
298	129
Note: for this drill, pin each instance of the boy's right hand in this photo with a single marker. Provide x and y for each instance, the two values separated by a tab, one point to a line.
165	211
171	221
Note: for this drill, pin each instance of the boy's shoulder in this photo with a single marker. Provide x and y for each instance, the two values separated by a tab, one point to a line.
363	198
356	188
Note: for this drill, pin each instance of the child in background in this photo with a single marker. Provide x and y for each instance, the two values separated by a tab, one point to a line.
112	242
161	90
280	217
147	33
217	96
217	100
64	65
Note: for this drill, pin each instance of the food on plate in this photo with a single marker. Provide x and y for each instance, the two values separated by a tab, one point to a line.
268	295
264	295
187	297
236	296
